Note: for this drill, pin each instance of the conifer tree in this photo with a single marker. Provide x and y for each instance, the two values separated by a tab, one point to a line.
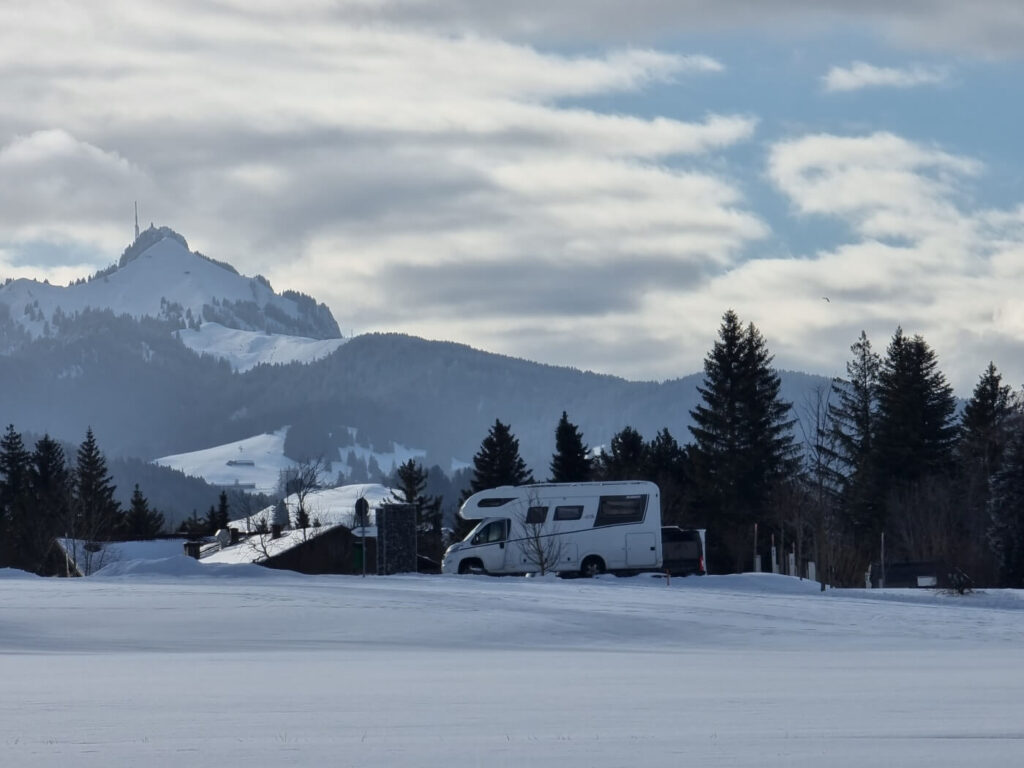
50	481
984	431
626	457
914	450
666	466
498	461
15	506
983	423
411	482
742	431
97	515
141	522
851	436
915	432
570	463
223	511
1006	509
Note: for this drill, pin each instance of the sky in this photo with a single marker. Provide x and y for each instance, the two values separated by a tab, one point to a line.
589	184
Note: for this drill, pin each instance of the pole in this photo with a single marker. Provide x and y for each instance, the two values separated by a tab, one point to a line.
882	581
362	513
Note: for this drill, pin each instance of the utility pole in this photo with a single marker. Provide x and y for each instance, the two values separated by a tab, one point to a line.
136	219
362	513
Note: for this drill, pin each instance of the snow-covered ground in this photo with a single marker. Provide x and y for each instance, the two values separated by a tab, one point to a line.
174	662
245	350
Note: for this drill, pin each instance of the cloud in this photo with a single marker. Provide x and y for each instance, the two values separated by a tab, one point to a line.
989	28
921	255
56	194
860	75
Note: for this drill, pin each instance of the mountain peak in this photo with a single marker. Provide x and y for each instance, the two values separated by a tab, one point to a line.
158	276
146	240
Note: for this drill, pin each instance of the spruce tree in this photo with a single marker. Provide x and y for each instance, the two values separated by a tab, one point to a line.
97	515
15	504
983	423
666	466
626	457
411	482
916	432
141	522
914	448
1006	509
223	511
851	436
570	462
50	481
498	461
984	432
742	431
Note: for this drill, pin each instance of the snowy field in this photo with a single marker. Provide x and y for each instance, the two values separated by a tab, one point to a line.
177	663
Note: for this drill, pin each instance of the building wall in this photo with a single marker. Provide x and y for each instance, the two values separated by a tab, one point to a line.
334	551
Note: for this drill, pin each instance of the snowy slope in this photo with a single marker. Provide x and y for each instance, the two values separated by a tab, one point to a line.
174	662
254	463
229	464
247	349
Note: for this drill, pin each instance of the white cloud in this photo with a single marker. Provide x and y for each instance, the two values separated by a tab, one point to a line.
860	75
922	256
56	188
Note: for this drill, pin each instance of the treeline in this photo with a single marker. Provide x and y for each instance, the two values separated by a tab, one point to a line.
45	497
879	454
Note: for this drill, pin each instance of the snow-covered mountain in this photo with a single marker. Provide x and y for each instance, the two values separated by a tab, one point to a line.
157	276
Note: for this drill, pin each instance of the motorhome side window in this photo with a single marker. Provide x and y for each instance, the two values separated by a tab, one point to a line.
492	532
617	510
574	512
536	515
493	502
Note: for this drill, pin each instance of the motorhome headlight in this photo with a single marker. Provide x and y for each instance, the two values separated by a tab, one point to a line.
453	549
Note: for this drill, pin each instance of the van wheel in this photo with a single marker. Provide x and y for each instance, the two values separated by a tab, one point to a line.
591	567
471	566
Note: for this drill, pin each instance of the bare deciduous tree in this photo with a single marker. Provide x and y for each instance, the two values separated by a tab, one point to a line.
542	547
301	480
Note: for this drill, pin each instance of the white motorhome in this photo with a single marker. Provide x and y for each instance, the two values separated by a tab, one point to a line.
584	528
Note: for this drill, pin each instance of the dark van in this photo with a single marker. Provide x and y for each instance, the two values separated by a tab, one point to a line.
682	550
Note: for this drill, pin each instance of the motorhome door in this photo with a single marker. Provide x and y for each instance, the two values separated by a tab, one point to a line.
490	545
641	550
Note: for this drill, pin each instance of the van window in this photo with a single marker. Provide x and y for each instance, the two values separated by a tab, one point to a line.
493	502
618	510
569	513
492	532
536	515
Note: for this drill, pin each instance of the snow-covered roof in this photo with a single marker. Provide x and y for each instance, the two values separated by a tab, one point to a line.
331	507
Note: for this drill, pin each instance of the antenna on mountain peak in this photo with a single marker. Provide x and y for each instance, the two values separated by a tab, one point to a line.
136	219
